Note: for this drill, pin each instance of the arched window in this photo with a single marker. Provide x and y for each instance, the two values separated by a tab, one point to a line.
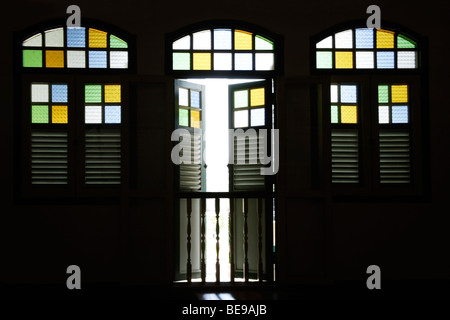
72	110
375	111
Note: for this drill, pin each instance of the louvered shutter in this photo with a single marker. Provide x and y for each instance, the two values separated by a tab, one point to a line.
344	156
395	163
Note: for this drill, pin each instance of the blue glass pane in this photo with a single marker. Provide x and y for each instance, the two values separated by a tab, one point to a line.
385	60
364	38
195	99
399	114
59	93
112	114
76	37
348	94
97	59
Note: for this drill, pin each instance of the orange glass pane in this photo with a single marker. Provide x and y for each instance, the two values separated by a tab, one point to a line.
349	114
97	38
257	97
385	39
59	114
112	93
344	60
54	59
243	40
195	119
202	61
399	93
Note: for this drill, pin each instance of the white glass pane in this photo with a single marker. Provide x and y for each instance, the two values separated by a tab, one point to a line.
364	60
118	59
243	61
257	117
326	43
54	38
383	114
406	60
182	44
76	59
222	61
93	114
241	119
264	61
202	40
344	39
222	39
183	97
334	93
39	93
34	41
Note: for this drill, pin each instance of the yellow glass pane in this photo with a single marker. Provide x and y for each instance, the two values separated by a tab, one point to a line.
257	97
349	114
385	39
202	61
97	38
59	114
243	40
195	119
344	60
399	93
54	59
112	93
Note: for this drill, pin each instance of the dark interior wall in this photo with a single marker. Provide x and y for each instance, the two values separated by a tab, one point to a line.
410	240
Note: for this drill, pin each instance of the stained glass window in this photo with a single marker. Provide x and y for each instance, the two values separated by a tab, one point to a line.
223	49
49	103
79	47
248	105
102	104
363	48
189	107
344	103
393	104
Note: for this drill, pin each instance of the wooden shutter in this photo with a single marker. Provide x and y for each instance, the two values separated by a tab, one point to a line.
344	156
395	163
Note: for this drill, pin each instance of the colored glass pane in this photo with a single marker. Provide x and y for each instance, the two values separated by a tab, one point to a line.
76	59
364	60
241	119
242	40
202	61
112	93
383	94
399	93
93	93
257	97
181	61
264	61
385	39
32	58
183	117
59	114
76	37
118	59
33	41
257	117
344	39
222	39
348	94
39	93
39	114
97	38
54	59
54	38
222	61
182	44
364	38
243	61
112	114
116	42
399	114
405	42
334	93
59	93
93	114
349	114
183	97
383	114
202	40
324	60
195	119
262	43
334	114
326	43
406	60
344	60
195	99
385	59
97	59
241	99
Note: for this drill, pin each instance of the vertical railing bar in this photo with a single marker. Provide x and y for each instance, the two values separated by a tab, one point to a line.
202	239
245	215
217	240
231	238
260	246
189	264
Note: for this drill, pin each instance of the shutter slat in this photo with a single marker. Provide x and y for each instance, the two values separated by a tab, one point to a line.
344	156
395	166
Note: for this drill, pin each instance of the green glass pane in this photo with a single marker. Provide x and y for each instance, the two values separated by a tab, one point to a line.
262	43
93	93
39	114
181	61
383	94
241	99
405	42
324	60
32	58
334	114
115	42
183	117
